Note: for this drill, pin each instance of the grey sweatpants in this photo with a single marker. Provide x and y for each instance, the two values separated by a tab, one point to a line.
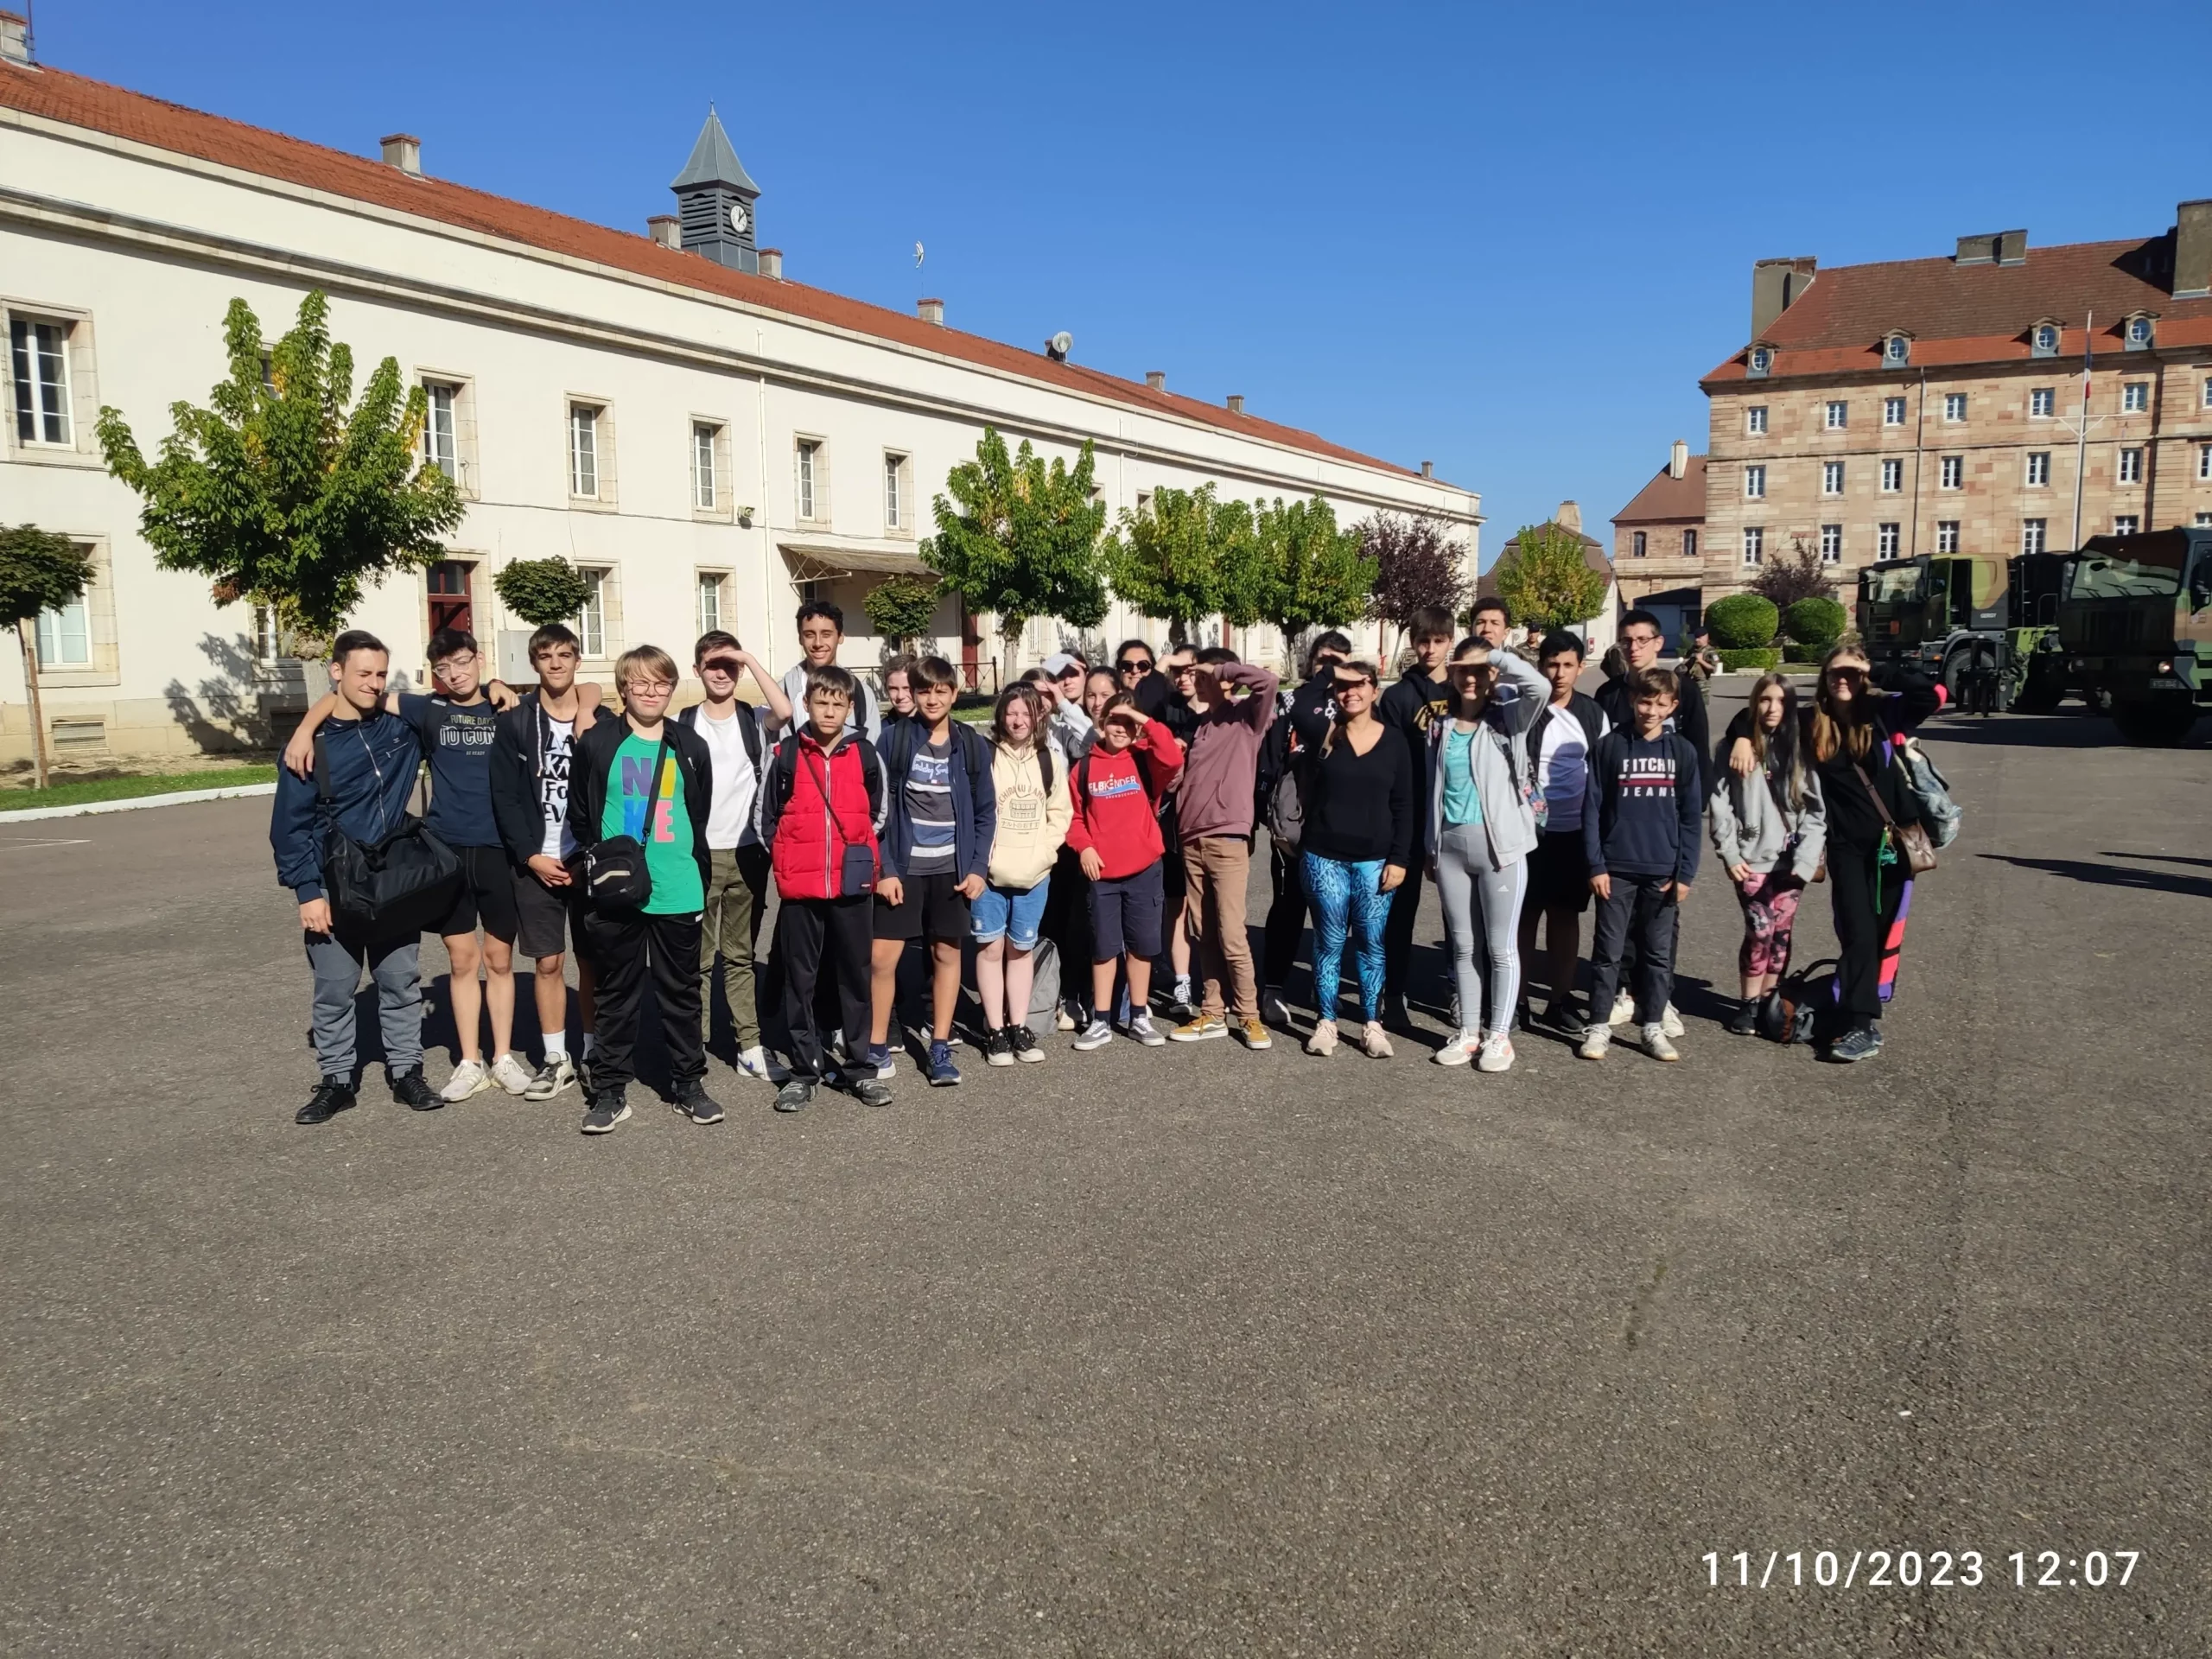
337	962
1481	903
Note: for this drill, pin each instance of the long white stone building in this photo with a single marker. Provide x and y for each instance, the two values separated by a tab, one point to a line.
708	441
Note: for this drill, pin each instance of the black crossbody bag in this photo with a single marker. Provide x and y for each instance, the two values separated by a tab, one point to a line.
402	883
615	876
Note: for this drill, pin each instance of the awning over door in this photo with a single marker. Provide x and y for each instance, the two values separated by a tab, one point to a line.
825	562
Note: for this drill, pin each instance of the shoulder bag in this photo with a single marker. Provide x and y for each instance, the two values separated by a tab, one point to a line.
615	876
1908	838
404	882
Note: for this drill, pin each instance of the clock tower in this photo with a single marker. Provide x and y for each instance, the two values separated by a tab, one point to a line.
715	201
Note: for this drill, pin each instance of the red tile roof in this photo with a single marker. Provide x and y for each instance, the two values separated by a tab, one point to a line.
77	101
1977	313
1668	498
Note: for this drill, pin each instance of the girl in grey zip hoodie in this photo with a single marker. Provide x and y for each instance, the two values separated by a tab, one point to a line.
1770	831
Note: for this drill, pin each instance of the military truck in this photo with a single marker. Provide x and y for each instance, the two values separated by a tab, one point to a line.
1941	615
2135	625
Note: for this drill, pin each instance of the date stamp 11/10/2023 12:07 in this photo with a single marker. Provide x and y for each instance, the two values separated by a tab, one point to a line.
1916	1569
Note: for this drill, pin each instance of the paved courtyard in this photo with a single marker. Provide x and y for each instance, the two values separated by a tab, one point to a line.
1187	1351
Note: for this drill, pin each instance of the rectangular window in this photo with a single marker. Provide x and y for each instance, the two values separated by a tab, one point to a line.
1893	411
706	487
1947	536
583	451
2208	393
591	621
1637	546
2204	460
1755	420
1954	406
64	636
1888	540
2038	467
2032	534
1831	543
441	448
1838	413
894	492
268	636
809	466
1893	476
2131	465
1831	478
711	601
1754	543
1689	544
2042	402
40	352
2125	523
2202	519
1754	483
1951	474
2135	396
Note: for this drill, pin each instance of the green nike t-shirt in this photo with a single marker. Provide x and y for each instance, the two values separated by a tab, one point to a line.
652	809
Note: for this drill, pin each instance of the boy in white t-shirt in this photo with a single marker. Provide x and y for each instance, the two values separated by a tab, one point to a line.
1559	873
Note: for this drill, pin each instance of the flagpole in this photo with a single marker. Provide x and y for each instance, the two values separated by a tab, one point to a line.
2082	438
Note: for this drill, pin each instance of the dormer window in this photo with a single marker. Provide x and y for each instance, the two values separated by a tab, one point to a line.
2139	331
1761	362
1896	349
2043	340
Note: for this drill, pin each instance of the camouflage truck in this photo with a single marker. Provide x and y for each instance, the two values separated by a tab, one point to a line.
2135	625
1946	614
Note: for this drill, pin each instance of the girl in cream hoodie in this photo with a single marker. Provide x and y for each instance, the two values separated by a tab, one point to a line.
1030	777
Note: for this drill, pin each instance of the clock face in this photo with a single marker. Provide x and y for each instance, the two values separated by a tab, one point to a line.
738	219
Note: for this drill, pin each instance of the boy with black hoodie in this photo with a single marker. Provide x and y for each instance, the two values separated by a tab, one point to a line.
1642	814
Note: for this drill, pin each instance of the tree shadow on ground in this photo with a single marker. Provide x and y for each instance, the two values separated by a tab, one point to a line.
2165	858
2112	875
2067	731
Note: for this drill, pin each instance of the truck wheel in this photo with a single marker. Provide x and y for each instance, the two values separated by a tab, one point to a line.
2153	725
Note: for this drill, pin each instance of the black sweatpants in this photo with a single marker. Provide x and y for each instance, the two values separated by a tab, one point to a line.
1286	916
1067	924
1640	909
1398	931
625	952
1868	935
825	940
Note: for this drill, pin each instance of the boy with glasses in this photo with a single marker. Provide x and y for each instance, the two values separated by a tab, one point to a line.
1422	695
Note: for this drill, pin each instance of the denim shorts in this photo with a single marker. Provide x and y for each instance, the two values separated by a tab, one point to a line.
1002	911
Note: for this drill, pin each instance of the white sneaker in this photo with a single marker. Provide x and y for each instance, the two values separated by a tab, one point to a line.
1497	1053
1142	1030
1182	996
1096	1034
469	1077
509	1073
756	1062
1459	1050
556	1074
1595	1041
1062	1020
1324	1039
1375	1041
1671	1022
1655	1044
1624	1009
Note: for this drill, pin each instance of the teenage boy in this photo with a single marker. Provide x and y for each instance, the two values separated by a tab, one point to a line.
1282	755
737	871
821	813
1642	814
364	760
533	748
1214	824
1559	875
647	778
457	725
1422	695
821	631
1491	623
940	812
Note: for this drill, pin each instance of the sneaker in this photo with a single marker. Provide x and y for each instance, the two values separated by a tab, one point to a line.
869	1091
507	1071
758	1063
1324	1039
1874	1031
1670	1022
1596	1039
998	1047
332	1095
1064	1018
1096	1034
1271	1010
469	1077
605	1112
1023	1041
1497	1053
1655	1044
879	1062
1184	999
1745	1019
943	1074
558	1073
1142	1030
1394	1011
1561	1015
1459	1050
698	1105
412	1089
1624	1009
798	1092
1200	1028
1372	1040
1857	1044
1256	1033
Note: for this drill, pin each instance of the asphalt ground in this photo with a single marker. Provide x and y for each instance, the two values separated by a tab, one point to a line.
1181	1352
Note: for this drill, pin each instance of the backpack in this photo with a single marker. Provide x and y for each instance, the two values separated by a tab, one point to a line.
1929	791
1286	807
1079	782
1804	1007
748	730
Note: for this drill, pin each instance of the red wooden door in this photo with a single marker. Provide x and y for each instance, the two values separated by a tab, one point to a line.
449	599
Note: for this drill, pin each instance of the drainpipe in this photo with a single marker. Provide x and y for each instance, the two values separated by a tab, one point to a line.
1919	431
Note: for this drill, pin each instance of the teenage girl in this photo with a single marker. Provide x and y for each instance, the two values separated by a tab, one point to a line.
1031	783
1770	830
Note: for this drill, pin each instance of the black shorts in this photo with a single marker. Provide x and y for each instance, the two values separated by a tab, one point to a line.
543	916
1559	873
932	907
1174	885
486	896
1125	915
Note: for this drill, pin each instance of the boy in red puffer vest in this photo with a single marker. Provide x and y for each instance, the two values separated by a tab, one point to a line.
821	809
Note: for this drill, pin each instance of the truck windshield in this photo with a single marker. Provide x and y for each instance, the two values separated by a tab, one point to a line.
2139	567
1886	586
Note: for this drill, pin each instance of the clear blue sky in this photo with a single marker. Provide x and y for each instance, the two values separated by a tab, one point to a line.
1506	238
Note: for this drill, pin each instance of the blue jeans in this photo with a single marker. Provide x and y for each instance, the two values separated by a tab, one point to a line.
1018	916
1347	894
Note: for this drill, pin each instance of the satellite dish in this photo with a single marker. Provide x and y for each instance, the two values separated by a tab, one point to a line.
1060	346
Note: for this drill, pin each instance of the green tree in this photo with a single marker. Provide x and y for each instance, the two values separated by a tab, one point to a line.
1316	575
1417	563
541	591
284	491
1742	621
1543	576
1189	555
902	607
1020	539
39	571
1803	575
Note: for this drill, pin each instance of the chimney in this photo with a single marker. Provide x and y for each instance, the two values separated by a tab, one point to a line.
1236	403
664	228
14	39
931	311
1156	378
1678	461
1569	517
1428	469
1776	284
771	264
404	151
2193	250
1992	248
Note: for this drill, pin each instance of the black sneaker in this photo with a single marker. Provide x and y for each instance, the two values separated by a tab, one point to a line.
796	1096
1023	1041
1393	1012
998	1047
412	1089
1746	1021
332	1095
872	1091
699	1106
607	1110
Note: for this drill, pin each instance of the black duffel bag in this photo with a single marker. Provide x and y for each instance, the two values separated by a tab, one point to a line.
405	882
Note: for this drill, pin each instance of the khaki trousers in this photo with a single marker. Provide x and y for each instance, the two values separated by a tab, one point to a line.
737	886
1217	868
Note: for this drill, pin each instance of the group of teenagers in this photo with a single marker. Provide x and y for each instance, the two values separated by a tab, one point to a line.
1112	811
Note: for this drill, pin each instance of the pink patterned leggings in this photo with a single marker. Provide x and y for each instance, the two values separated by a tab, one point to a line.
1770	902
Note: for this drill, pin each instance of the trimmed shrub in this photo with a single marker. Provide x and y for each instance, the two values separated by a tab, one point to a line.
1818	622
1742	621
1795	652
1751	659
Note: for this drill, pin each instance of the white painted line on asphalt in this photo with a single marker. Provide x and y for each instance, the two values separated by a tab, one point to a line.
136	802
17	844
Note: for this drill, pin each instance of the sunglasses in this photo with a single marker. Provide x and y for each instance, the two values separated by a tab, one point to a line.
1846	673
1134	666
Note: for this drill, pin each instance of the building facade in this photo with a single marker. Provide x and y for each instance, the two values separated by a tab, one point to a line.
1599	631
1659	546
707	440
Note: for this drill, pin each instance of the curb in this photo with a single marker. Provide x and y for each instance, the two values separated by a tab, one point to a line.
30	814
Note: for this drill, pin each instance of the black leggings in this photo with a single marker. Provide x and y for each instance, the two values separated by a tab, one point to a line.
1869	936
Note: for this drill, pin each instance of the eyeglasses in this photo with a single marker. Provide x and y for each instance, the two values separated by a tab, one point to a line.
652	688
459	659
1134	666
1639	639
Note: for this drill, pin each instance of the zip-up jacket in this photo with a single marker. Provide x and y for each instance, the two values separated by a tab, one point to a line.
975	802
1221	771
1499	758
1754	824
371	762
815	802
516	753
1116	800
1642	811
593	760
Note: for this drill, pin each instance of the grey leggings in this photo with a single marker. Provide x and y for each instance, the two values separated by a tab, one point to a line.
1481	902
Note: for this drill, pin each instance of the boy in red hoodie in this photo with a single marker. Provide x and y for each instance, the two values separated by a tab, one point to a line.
1117	788
821	808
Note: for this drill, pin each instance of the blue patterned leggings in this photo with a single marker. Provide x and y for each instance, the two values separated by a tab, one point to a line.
1347	894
